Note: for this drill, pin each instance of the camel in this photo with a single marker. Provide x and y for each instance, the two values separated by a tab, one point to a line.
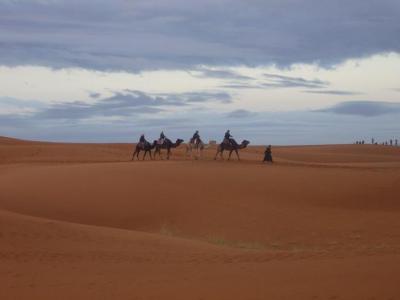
197	145
168	144
146	147
231	147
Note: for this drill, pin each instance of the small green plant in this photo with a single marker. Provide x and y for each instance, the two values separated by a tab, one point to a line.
166	230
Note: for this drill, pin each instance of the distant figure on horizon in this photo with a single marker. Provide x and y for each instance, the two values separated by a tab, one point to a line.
395	143
391	142
373	141
268	155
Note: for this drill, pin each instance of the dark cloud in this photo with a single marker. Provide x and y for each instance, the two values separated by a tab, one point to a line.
280	81
152	34
240	113
198	97
223	74
94	95
332	92
121	104
242	86
364	108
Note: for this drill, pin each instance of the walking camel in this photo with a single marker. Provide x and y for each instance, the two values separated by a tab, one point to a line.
168	144
230	146
146	147
196	145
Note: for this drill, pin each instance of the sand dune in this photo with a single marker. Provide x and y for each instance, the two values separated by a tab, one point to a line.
81	221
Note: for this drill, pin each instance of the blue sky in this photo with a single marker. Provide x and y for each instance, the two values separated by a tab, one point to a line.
280	72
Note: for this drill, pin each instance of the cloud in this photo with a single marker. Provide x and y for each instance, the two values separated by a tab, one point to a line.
240	113
242	86
178	34
10	106
364	108
94	95
280	81
198	97
223	74
332	92
120	105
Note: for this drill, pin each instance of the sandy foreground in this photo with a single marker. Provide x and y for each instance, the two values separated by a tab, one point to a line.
81	221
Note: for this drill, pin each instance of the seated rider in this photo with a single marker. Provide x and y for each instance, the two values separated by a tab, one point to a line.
162	138
228	138
195	138
142	140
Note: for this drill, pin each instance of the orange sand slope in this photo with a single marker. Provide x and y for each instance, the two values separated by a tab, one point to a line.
323	222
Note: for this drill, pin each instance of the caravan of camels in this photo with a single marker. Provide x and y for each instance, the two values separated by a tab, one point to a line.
194	146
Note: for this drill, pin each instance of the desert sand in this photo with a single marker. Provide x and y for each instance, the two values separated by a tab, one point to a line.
82	221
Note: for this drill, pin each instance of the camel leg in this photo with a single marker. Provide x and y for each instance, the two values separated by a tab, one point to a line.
168	153
144	155
133	156
157	151
237	154
136	153
216	154
230	153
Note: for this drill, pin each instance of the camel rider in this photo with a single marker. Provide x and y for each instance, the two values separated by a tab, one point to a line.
195	138
142	140
162	138
228	137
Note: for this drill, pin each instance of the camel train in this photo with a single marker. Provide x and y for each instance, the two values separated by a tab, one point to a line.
194	146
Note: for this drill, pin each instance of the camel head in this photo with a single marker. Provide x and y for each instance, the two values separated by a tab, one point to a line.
245	143
179	141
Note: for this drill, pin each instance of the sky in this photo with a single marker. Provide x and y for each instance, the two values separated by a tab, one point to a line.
272	71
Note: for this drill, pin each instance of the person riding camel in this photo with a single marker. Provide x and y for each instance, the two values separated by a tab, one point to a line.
142	140
196	138
228	138
162	138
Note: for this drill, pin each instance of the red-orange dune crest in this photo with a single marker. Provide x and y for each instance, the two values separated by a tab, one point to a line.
82	221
